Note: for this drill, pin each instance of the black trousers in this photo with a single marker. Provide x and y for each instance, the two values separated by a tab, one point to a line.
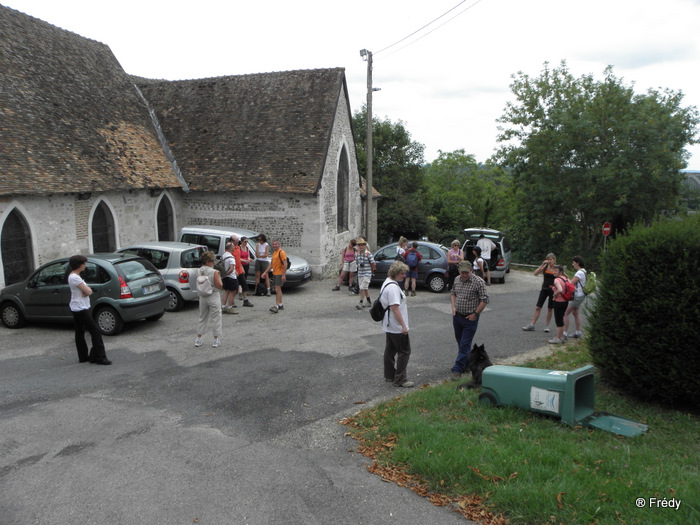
397	351
83	321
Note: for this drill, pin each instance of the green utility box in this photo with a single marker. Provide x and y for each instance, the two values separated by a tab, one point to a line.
566	395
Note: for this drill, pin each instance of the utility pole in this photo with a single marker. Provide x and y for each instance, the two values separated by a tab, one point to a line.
369	226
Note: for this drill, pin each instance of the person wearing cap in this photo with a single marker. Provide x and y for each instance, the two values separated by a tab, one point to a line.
469	299
365	268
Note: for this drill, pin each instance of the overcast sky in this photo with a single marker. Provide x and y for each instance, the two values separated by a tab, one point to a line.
447	86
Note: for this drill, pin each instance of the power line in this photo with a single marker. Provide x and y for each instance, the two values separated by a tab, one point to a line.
426	25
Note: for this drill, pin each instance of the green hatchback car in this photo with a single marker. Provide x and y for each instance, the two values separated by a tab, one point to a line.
126	288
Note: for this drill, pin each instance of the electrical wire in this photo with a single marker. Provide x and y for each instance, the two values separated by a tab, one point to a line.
426	25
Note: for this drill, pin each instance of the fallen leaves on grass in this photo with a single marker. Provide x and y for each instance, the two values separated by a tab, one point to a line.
472	507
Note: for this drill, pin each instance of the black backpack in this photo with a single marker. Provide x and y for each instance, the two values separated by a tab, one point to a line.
377	311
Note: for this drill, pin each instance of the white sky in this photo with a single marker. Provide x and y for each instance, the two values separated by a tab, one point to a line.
448	88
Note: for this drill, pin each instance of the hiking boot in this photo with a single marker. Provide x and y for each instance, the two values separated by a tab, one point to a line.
413	294
577	335
280	307
529	328
246	302
360	306
556	341
197	342
546	329
274	309
335	289
405	384
216	343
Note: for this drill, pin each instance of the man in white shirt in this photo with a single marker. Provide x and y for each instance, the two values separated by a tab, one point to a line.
487	246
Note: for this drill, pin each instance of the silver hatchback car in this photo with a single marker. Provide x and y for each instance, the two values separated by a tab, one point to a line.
175	261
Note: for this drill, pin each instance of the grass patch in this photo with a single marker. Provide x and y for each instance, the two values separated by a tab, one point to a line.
507	465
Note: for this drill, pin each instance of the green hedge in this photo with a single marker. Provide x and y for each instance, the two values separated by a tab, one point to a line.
645	324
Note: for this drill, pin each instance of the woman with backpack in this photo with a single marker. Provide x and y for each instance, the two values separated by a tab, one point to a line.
561	302
208	286
579	281
412	257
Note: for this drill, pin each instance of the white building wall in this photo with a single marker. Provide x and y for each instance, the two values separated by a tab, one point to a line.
59	224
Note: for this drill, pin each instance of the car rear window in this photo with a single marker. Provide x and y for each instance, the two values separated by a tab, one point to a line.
190	258
135	269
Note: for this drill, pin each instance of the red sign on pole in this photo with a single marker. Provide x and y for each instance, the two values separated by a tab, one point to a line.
607	228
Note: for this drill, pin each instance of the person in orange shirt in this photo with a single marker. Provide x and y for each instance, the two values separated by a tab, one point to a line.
278	265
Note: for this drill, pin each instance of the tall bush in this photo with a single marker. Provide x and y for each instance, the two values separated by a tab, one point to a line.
645	324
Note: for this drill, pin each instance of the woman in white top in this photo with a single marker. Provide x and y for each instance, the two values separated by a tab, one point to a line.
401	248
579	280
79	304
262	261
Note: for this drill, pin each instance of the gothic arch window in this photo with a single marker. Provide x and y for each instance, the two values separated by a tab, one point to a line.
103	238
164	220
16	245
342	191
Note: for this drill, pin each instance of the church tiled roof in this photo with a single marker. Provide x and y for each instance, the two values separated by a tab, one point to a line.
71	119
261	132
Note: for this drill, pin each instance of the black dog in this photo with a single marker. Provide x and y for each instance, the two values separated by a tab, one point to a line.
478	361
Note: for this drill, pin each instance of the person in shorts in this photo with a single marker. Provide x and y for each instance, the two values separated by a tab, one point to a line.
365	269
278	265
412	258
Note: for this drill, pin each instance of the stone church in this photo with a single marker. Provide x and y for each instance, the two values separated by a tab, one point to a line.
93	159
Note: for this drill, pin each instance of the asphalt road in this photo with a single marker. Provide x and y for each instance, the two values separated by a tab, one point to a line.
244	434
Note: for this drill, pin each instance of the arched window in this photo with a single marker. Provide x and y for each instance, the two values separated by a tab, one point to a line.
342	191
16	245
164	219
103	239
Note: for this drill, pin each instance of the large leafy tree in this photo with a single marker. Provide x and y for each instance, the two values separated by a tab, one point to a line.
464	193
584	152
396	173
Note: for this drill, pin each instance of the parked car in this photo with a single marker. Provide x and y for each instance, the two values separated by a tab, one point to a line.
432	269
215	237
175	261
125	288
500	259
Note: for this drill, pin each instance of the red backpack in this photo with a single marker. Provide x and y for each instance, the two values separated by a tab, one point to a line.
569	289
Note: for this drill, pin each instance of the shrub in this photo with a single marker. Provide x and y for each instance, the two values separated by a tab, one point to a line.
645	324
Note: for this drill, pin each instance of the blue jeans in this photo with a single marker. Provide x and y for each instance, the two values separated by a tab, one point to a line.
464	334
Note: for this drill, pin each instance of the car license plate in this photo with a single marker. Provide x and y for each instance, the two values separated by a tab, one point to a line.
307	275
151	288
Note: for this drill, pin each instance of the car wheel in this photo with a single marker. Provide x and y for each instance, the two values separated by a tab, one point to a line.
11	315
154	318
176	301
437	283
108	320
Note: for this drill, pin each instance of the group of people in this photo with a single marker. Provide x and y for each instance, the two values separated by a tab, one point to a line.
468	297
553	291
482	259
269	267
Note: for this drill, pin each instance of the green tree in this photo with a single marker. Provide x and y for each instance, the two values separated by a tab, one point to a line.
464	193
396	174
584	152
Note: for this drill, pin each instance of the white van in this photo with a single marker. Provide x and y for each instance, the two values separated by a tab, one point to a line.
215	237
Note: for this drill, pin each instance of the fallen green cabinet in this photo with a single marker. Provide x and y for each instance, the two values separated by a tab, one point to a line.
566	395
